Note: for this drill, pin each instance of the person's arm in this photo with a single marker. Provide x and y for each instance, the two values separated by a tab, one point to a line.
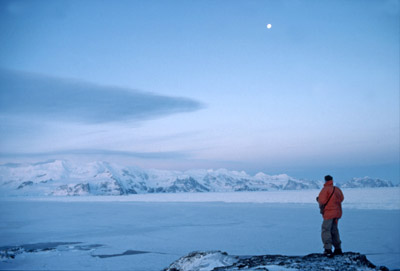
341	195
322	197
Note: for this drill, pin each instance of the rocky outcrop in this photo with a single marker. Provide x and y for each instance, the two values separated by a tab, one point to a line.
221	261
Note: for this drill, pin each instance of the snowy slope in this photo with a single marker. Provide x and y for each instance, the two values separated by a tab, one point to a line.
366	182
64	178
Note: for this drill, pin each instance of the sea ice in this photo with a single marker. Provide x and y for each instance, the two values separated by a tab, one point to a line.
169	230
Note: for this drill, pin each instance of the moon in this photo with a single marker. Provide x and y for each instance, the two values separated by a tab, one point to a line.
269	26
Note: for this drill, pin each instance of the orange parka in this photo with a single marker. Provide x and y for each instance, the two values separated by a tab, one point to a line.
334	207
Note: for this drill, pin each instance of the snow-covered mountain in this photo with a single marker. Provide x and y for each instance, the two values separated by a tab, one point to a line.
366	182
58	177
64	178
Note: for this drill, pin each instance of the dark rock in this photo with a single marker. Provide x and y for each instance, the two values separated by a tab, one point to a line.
28	183
186	185
220	261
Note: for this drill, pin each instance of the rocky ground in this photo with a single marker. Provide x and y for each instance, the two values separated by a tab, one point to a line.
216	260
221	261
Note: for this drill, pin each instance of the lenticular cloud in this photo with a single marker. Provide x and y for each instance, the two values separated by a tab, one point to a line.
40	97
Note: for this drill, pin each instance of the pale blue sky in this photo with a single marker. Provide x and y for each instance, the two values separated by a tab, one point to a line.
204	84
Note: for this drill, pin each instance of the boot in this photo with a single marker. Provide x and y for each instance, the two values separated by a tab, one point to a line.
338	251
328	253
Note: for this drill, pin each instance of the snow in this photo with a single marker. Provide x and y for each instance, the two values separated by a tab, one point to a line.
278	268
58	177
356	198
103	230
149	232
65	178
367	182
203	261
207	261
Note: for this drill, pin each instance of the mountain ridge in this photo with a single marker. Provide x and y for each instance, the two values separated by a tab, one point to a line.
65	178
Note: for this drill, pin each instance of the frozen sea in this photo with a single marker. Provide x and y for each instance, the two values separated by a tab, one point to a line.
148	232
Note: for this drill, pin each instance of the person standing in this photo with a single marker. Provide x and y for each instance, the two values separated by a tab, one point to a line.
330	202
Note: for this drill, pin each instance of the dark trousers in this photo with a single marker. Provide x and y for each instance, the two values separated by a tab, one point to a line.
330	234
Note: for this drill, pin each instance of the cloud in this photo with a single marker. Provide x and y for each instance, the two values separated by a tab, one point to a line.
101	152
55	99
